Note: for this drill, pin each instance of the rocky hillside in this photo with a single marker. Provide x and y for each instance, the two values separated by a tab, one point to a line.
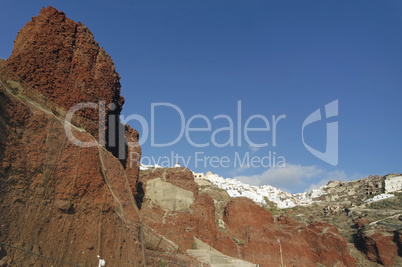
70	195
373	229
173	205
363	213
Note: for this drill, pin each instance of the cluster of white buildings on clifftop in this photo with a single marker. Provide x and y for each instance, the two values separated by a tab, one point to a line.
259	194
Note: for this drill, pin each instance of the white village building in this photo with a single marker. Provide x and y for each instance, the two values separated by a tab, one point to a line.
379	197
258	194
393	184
199	175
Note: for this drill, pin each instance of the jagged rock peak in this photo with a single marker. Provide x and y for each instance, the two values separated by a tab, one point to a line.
60	59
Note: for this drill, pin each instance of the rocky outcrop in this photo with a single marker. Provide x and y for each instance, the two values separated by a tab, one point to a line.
220	196
60	59
334	209
257	235
381	244
61	66
59	198
353	191
180	177
133	156
178	217
251	214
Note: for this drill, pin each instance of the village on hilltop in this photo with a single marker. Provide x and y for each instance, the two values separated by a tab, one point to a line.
282	199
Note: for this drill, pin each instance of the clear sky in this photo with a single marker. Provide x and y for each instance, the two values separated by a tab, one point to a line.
180	59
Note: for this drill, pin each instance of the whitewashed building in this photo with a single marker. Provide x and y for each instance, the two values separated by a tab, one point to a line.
237	188
393	184
379	197
199	175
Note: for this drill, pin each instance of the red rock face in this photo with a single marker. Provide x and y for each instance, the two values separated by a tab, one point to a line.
133	156
180	226
257	234
60	200
61	65
60	59
251	214
381	245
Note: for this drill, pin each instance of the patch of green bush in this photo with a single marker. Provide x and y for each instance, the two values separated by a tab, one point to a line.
237	241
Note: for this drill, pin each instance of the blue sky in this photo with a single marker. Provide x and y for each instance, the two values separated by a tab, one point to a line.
274	58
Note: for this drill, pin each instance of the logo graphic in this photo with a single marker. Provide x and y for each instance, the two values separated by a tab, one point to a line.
330	155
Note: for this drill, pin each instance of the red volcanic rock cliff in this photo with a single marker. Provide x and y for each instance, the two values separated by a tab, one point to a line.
60	59
58	199
381	245
251	214
257	235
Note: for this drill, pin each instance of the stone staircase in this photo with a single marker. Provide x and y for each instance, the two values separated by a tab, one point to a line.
210	256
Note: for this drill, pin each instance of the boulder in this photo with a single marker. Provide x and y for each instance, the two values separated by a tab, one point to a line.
63	205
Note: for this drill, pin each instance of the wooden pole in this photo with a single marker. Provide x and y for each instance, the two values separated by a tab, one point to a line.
280	250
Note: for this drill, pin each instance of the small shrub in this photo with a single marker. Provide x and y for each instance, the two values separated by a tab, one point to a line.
162	263
237	241
15	86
